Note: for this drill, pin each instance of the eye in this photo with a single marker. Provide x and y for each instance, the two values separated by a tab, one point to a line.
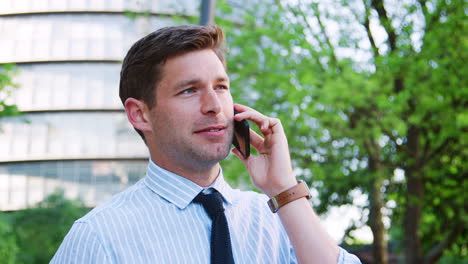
221	87
188	91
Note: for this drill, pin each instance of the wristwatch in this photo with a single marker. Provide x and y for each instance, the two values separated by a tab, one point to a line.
296	192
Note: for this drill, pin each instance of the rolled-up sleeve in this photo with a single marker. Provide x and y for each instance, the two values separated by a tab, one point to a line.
347	258
81	245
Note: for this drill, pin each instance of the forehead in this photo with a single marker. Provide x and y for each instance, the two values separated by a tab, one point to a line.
204	65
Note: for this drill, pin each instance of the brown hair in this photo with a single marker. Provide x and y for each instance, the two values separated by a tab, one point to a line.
143	65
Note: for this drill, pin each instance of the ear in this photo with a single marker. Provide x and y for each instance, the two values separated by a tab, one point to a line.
138	114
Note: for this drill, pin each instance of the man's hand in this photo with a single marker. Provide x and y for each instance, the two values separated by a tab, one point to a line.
271	170
272	173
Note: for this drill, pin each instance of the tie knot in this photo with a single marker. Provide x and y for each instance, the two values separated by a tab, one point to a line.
213	203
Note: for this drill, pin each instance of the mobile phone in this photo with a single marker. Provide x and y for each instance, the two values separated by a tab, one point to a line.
241	138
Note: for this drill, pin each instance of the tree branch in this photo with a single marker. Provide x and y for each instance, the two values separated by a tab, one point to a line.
431	155
366	25
378	5
389	134
422	3
436	252
299	13
325	35
430	19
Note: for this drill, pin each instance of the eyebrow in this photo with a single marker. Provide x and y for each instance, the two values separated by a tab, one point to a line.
197	80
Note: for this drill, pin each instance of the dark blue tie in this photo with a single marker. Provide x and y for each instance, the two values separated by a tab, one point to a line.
221	251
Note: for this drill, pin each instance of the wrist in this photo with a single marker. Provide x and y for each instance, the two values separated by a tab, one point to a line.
298	191
275	189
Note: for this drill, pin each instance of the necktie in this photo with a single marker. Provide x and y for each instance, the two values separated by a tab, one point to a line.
221	252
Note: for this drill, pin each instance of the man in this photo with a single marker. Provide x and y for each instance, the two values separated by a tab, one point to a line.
177	96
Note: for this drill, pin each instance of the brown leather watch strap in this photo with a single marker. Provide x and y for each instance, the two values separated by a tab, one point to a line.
296	192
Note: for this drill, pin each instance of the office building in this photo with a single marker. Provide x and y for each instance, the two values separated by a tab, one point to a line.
74	134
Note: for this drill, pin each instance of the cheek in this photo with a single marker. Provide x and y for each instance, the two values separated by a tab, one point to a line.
166	128
228	102
174	117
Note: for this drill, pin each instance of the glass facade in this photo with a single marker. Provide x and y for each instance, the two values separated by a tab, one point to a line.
74	134
69	135
68	86
92	181
68	36
189	7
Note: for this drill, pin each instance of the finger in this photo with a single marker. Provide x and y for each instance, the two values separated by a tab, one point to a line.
256	140
251	115
240	156
266	124
241	108
259	119
274	124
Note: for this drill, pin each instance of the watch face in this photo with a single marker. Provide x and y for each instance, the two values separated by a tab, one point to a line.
273	204
306	188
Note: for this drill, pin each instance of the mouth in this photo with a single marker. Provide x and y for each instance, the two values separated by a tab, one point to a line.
211	129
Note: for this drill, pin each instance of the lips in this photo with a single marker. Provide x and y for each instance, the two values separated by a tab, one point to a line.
211	129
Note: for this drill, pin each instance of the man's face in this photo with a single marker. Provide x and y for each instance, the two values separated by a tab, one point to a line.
192	120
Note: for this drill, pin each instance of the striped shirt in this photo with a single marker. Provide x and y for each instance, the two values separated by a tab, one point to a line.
155	221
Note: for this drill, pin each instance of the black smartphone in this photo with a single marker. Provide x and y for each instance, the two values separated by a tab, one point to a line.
241	138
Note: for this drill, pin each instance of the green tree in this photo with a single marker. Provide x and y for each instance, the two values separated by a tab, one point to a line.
8	246
382	91
40	230
6	88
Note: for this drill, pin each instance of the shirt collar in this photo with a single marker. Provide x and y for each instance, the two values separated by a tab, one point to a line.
179	190
223	187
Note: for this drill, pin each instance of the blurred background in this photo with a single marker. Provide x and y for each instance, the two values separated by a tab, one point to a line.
372	95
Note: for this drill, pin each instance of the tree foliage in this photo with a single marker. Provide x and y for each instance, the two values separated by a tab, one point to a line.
40	230
365	88
6	88
8	245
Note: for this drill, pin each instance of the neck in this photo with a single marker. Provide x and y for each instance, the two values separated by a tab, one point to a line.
203	177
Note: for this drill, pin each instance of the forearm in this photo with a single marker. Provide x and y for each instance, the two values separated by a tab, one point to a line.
271	172
310	241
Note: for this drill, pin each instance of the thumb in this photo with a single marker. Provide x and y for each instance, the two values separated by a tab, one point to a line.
240	156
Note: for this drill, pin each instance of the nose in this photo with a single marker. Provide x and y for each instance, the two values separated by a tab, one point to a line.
210	103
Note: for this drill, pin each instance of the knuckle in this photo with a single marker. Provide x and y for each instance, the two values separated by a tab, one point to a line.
275	120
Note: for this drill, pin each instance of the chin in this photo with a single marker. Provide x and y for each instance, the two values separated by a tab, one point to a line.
207	161
217	154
